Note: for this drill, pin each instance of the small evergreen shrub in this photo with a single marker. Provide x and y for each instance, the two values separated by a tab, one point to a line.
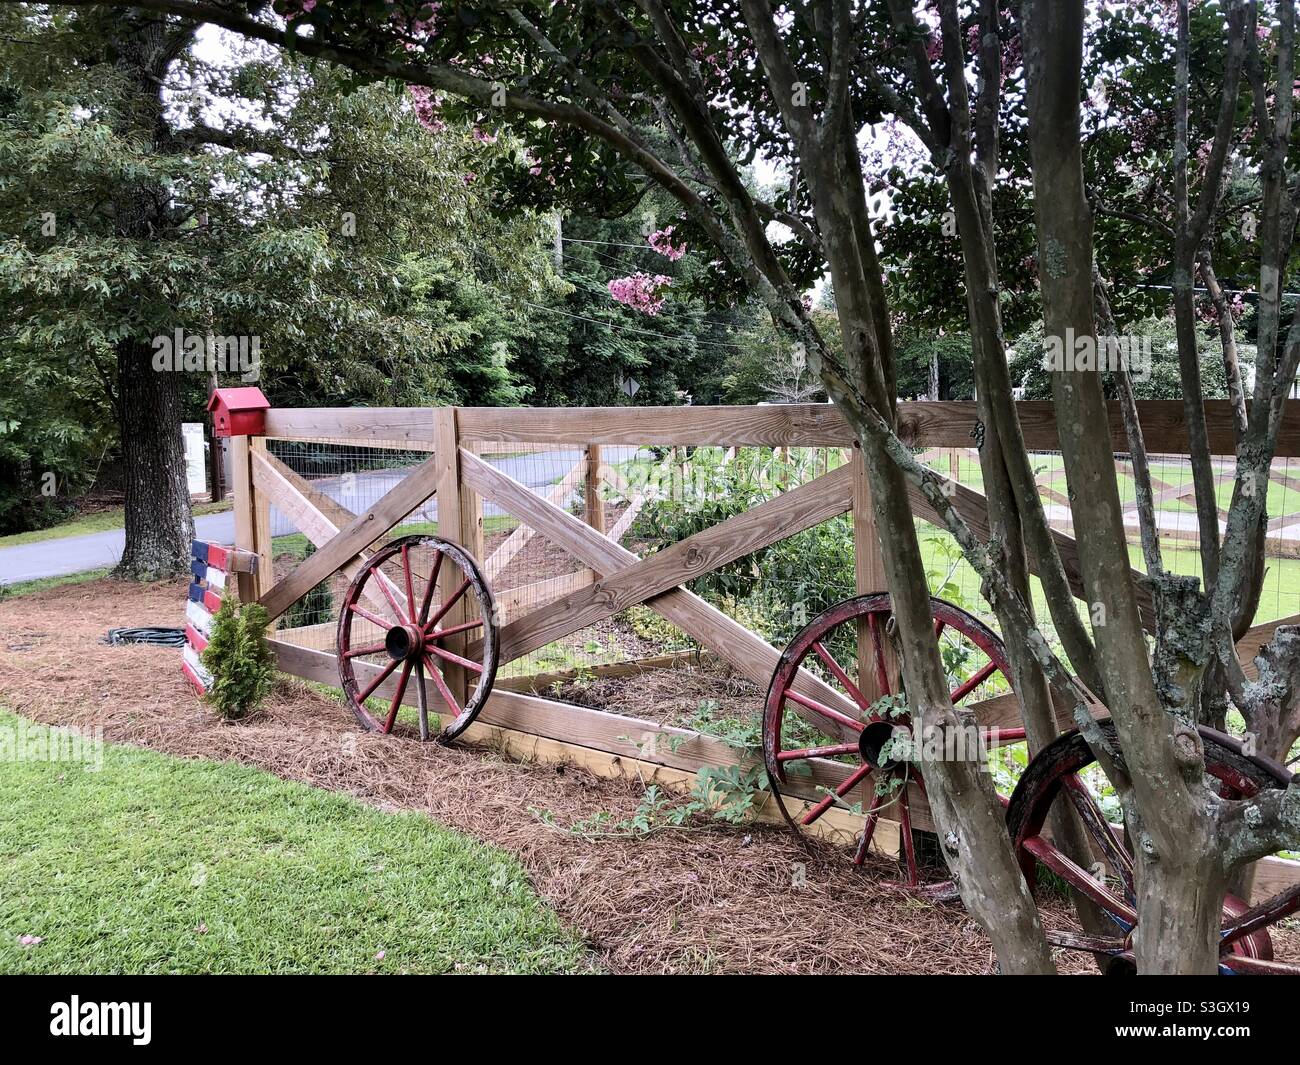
240	660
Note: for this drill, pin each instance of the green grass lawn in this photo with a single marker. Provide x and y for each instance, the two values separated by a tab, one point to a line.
40	584
158	865
101	521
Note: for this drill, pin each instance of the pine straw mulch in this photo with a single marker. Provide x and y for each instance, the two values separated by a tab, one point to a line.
712	899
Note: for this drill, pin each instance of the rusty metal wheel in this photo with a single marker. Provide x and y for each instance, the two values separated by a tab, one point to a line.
393	621
802	733
1065	768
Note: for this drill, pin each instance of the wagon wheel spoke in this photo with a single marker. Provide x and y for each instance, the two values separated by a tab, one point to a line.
878	654
441	684
396	704
1102	834
383	676
464	663
845	786
438	634
905	832
452	600
373	618
976	679
822	641
838	672
824	710
873	818
833	750
422	700
385	586
410	590
1268	912
1080	879
412	642
428	589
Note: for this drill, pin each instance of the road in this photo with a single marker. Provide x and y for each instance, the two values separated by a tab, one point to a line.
77	554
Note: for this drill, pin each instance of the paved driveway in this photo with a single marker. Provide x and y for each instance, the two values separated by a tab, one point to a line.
76	554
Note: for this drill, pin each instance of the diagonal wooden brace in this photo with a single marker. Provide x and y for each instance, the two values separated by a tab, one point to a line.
747	653
775	519
360	533
316	516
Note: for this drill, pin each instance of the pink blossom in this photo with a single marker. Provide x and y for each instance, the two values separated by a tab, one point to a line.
379	956
641	292
483	137
30	941
468	178
427	106
661	241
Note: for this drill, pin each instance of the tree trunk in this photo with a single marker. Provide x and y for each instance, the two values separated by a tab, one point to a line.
159	526
1180	907
159	522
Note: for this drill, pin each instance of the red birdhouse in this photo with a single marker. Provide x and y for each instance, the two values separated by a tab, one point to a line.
238	412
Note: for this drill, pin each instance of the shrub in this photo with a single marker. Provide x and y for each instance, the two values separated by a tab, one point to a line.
240	660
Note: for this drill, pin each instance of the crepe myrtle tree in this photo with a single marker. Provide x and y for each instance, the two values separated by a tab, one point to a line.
608	96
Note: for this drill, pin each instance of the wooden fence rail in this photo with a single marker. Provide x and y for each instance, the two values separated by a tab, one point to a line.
449	444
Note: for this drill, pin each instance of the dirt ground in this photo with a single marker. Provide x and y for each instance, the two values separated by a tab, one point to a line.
710	898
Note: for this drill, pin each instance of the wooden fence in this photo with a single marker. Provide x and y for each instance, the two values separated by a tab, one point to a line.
459	443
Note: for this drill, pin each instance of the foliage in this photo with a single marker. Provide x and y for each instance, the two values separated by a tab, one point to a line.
914	349
585	347
782	586
720	793
343	237
1161	381
240	660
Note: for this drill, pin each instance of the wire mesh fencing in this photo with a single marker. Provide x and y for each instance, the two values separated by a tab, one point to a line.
648	498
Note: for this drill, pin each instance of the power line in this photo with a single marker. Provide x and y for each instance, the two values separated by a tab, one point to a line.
625	328
607	243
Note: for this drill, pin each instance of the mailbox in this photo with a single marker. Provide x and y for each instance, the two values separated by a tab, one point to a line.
238	412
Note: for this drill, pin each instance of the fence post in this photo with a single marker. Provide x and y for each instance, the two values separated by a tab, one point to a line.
869	572
261	510
241	474
595	506
460	519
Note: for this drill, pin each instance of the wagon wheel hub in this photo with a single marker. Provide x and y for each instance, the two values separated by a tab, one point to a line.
404	643
873	739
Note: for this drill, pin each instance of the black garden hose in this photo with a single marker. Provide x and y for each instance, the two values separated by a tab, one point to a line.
153	635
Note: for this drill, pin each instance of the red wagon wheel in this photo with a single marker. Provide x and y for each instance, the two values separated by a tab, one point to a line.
801	732
1060	769
394	621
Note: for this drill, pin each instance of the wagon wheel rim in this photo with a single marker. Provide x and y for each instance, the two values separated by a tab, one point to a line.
858	741
394	623
1245	943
